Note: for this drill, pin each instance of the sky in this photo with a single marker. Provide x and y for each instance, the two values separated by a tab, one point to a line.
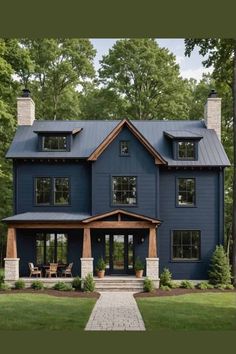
189	67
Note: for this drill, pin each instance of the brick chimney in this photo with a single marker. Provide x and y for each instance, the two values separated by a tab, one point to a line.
212	113
25	109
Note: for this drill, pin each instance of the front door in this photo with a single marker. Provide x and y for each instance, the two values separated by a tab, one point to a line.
119	253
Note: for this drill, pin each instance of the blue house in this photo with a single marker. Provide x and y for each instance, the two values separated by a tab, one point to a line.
120	190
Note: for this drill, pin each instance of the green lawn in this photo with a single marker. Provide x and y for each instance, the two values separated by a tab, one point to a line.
207	311
29	312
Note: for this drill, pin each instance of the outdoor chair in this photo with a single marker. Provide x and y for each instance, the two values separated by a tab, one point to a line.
34	270
52	270
67	271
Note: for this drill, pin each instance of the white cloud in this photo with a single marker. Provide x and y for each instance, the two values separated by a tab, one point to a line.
195	73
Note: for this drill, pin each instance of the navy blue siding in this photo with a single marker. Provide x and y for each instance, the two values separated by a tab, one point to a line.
203	217
140	163
80	181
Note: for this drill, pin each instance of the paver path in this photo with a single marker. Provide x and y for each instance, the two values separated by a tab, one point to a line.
115	311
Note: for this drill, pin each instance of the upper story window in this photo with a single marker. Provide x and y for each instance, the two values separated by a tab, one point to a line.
186	245
52	191
186	192
186	150
124	148
124	190
54	143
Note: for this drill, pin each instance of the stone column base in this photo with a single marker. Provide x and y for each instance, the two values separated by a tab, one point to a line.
152	270
86	266
11	269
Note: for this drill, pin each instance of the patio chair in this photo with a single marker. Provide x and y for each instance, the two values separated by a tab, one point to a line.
34	270
67	271
52	270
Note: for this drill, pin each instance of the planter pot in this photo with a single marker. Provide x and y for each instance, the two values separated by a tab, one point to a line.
100	273
139	273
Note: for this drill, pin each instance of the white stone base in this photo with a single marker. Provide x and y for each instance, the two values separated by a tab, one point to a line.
86	266
152	270
11	269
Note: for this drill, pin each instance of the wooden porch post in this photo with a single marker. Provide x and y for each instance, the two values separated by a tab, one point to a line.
152	245
11	243
87	252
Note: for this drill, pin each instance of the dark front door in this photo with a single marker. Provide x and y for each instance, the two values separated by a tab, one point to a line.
119	253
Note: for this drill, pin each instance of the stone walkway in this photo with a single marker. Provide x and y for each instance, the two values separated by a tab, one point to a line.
115	311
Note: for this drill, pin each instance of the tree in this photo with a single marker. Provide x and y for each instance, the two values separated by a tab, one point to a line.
222	54
56	69
147	78
219	272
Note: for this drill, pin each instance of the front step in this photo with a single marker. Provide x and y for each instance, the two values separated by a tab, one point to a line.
119	284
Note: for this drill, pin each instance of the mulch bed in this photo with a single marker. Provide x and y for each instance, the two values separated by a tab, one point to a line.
179	291
53	293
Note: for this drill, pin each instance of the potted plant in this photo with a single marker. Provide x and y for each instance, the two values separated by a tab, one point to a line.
100	268
138	267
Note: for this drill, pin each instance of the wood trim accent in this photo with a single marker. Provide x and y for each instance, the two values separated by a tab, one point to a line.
159	160
121	212
94	224
11	251
87	250
152	243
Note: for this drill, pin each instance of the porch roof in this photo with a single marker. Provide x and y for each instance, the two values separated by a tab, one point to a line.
46	216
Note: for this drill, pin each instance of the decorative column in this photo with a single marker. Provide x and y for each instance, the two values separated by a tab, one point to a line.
86	260
11	260
152	262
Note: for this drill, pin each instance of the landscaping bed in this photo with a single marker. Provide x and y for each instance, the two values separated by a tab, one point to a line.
179	291
53	292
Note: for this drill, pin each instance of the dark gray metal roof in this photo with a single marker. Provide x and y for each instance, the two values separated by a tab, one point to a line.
46	216
211	151
182	134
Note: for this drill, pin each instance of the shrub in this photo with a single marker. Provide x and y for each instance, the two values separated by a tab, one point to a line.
229	287
76	283
37	285
204	285
101	265
4	287
220	269
220	286
174	285
1	278
165	288
62	286
138	265
89	283
165	277
186	284
148	285
20	284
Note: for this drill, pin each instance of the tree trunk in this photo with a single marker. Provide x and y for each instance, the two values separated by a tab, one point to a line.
234	164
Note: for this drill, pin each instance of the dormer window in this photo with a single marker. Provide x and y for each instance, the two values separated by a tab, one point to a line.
186	150
124	148
54	143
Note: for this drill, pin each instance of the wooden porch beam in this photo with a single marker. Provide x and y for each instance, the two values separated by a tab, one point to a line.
11	243
87	251
152	245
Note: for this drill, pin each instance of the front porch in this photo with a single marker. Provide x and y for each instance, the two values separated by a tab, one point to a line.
118	236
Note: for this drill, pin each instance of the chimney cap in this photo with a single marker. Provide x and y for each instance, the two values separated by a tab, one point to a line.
213	94
25	92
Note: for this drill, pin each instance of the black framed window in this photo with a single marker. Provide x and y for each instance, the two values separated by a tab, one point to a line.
124	148
51	248
186	244
61	191
52	191
186	150
43	190
186	192
54	143
124	190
